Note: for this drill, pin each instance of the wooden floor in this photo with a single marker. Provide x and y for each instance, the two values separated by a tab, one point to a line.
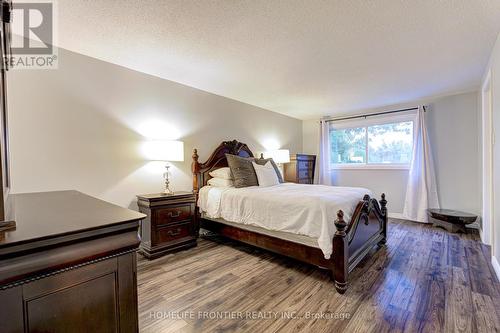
424	280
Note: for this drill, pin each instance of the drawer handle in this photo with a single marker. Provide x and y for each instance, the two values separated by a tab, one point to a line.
177	214
174	233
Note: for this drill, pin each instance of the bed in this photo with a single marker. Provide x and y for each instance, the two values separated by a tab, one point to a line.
291	219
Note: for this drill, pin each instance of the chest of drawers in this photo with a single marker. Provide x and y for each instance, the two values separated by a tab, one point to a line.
300	169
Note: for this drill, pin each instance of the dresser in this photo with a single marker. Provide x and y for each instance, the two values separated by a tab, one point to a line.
171	224
300	169
69	265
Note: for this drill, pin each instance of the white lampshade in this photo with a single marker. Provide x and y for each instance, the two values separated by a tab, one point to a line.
279	156
171	151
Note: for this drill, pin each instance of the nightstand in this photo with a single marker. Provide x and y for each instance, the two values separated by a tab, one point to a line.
171	224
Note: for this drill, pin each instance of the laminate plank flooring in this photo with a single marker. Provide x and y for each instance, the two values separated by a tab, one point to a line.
423	280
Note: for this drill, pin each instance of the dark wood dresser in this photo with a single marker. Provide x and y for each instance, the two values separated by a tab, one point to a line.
170	225
69	266
300	169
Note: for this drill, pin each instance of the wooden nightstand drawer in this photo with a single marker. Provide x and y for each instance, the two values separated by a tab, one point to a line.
173	214
174	232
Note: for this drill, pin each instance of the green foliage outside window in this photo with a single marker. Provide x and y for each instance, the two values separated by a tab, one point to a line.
348	145
387	144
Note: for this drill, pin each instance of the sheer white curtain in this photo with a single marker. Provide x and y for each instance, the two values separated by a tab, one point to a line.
421	192
325	176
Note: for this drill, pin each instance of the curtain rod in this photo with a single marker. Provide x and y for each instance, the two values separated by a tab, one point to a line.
371	114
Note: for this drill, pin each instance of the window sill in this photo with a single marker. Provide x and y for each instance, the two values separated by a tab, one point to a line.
371	167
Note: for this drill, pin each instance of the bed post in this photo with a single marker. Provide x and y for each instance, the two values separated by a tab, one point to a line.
340	254
383	209
195	168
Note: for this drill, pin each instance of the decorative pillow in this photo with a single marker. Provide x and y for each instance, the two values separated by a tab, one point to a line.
262	161
266	174
242	170
219	182
223	173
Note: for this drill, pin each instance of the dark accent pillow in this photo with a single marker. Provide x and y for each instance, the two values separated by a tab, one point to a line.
262	161
242	169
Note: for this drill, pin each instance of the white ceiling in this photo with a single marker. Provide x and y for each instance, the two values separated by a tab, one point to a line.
300	58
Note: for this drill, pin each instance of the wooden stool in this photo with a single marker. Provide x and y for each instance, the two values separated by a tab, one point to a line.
451	220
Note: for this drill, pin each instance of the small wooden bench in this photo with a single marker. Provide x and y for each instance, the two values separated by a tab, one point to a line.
451	220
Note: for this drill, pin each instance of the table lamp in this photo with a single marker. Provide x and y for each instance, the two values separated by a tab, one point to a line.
279	156
165	151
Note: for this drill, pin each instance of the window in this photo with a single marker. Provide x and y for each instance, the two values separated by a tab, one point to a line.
348	145
372	143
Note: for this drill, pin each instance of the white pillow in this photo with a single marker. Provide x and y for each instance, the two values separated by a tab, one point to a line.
219	182
266	175
223	173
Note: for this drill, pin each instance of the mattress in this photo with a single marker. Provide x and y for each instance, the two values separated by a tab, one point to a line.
299	209
288	236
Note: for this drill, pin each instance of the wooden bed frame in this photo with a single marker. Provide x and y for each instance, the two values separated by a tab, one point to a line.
351	242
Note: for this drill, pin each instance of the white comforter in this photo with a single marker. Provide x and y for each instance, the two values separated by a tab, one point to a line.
301	209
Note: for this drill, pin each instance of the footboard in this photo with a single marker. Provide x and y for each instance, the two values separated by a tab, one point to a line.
353	241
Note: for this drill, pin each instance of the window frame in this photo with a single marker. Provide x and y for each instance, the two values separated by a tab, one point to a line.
365	123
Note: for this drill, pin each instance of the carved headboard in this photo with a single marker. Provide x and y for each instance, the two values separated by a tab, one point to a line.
215	161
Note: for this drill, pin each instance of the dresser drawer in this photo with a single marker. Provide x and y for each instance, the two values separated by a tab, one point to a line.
173	214
174	232
301	165
304	173
305	181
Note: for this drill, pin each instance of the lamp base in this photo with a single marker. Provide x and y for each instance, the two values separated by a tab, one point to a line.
167	192
166	177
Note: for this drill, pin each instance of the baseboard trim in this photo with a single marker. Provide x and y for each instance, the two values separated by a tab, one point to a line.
496	266
396	216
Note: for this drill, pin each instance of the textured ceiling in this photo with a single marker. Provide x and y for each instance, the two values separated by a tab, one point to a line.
301	58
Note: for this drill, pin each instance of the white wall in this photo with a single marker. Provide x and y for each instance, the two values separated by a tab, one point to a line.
494	67
81	127
453	124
